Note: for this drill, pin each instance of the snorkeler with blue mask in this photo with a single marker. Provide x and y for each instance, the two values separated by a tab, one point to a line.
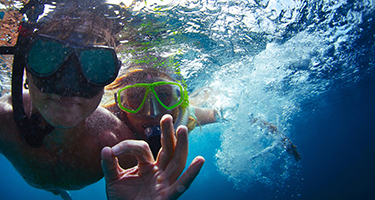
53	132
47	128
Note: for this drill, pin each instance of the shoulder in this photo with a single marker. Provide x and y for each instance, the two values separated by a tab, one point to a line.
5	104
8	128
110	130
113	108
6	108
101	117
6	113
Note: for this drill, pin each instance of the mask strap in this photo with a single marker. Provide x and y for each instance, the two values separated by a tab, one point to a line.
7	50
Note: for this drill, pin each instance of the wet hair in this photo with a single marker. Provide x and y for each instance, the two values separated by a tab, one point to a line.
96	22
141	72
92	28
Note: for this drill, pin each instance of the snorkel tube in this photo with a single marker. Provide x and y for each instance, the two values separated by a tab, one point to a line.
28	128
30	132
183	114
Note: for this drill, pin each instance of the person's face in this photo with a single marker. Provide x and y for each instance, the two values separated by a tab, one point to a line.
69	99
151	112
60	111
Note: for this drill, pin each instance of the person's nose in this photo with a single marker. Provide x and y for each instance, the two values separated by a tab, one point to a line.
70	70
152	107
70	76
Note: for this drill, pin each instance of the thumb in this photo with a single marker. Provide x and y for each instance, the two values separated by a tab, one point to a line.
109	165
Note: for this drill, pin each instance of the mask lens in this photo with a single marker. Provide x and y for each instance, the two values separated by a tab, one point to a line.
44	57
169	95
132	98
98	65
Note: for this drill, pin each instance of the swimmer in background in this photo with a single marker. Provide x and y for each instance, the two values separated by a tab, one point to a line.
288	145
144	94
207	96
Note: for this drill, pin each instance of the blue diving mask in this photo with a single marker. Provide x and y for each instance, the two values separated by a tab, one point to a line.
66	69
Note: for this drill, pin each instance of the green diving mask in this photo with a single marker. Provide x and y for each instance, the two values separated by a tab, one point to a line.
170	95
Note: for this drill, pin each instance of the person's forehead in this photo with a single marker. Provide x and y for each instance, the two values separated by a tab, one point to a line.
147	77
77	38
79	31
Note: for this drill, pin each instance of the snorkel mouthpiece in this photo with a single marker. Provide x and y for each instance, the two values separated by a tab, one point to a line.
153	134
152	131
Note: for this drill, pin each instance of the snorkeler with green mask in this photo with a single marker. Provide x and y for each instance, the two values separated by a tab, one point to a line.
143	94
55	134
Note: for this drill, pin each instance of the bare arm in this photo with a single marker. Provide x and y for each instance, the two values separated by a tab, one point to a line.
205	115
5	117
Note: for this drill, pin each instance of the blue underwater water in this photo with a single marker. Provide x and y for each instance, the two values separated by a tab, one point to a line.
305	66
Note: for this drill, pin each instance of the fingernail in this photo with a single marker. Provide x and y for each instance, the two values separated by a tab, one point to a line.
180	188
166	116
182	127
196	159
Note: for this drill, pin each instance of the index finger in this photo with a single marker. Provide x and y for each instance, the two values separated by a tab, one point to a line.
168	141
138	148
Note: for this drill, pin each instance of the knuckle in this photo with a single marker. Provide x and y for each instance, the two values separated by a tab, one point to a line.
143	144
